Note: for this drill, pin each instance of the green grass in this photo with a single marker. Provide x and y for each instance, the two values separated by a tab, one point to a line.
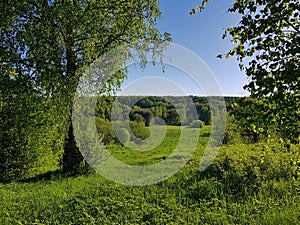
189	197
163	150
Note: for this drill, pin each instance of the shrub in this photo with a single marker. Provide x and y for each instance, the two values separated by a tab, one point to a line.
139	130
158	121
123	135
107	133
138	118
184	123
142	115
233	132
31	129
244	168
105	130
197	124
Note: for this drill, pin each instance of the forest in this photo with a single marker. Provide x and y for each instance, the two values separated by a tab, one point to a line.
143	109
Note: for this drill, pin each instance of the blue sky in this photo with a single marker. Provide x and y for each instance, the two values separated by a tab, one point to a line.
201	34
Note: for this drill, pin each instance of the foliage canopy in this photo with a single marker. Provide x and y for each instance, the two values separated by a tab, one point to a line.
48	45
266	43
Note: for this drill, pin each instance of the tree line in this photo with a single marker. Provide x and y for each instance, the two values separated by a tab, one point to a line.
173	110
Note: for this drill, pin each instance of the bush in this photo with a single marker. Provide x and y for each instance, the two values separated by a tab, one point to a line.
123	136
32	129
158	121
197	124
233	132
105	130
139	130
184	123
244	168
144	115
138	118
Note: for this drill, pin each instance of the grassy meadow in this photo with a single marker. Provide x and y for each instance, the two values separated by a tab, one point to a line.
246	184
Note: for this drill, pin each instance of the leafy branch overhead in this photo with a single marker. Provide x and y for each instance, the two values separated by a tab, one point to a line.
266	43
46	46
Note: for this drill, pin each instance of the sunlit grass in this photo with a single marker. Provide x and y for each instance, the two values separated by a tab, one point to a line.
188	197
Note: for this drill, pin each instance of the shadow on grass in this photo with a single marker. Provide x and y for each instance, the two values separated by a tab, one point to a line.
206	134
54	176
47	176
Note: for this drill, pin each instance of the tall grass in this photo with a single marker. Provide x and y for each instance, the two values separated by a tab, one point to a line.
189	197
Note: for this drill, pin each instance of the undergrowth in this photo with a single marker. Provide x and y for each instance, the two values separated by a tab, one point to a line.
246	184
